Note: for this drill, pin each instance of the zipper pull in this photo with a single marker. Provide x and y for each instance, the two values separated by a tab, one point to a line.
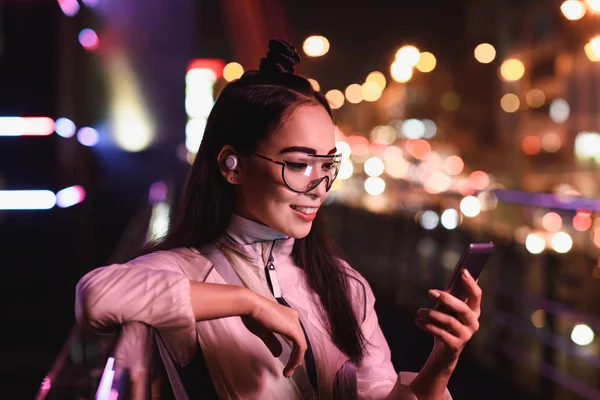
271	273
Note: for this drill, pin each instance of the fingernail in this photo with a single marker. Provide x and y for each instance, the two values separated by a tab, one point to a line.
421	312
434	293
466	273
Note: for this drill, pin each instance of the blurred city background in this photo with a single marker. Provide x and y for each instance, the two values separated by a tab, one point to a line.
460	121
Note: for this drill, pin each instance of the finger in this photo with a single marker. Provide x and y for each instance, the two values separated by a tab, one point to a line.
297	354
454	304
450	340
474	292
446	322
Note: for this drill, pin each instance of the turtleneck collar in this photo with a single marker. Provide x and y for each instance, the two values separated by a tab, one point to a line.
245	231
253	240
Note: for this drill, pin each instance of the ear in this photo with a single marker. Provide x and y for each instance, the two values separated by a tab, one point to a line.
232	176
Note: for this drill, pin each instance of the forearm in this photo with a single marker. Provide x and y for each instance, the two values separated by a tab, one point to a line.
431	382
213	300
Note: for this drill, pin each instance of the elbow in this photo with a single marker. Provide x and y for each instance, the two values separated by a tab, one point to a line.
92	308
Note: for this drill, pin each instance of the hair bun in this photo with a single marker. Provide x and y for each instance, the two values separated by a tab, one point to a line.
282	57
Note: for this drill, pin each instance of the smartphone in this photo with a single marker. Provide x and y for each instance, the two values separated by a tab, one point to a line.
473	259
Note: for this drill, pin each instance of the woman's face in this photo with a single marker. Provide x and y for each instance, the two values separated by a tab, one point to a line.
262	195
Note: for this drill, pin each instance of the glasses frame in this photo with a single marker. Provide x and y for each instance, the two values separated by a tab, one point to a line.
328	184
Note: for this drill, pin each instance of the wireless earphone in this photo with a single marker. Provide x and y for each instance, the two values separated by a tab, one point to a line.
231	162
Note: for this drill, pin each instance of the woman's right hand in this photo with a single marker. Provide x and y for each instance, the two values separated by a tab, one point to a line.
266	318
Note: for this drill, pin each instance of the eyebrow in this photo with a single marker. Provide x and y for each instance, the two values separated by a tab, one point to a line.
301	149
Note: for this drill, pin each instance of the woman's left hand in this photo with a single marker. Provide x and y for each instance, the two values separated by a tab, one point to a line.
452	333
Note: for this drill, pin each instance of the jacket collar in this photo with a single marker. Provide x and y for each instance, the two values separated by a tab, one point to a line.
253	240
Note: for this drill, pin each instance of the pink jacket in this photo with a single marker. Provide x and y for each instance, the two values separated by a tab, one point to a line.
154	290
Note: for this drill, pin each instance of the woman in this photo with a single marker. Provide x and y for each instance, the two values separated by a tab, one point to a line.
263	170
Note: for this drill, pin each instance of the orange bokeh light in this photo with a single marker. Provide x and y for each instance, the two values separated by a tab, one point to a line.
531	145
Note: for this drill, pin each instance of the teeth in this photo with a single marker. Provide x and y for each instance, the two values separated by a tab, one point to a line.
305	210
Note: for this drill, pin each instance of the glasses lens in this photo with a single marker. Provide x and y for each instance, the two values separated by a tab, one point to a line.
304	172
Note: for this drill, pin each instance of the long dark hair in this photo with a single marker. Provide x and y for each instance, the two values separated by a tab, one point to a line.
246	112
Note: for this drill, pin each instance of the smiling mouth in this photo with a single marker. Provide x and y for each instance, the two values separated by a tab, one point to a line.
305	210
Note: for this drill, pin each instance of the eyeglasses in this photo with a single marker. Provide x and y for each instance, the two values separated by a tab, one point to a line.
302	173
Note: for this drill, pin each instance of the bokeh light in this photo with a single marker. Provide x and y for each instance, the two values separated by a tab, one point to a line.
371	91
408	55
429	220
412	128
582	221
420	149
374	186
378	78
316	46
89	39
427	62
450	219
470	206
535	98
454	165
479	180
450	101
401	72
559	110
510	102
512	70
485	53
582	335
531	145
552	222
573	9
562	242
353	94
374	166
335	98
551	142
535	244
315	85
346	169
232	71
65	127
589	52
88	136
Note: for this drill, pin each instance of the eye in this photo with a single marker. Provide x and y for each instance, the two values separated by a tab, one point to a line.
328	166
295	165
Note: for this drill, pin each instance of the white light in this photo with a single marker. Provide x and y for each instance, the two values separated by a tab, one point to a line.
26	126
450	219
429	220
374	166
562	242
346	169
159	221
70	196
573	9
559	110
316	46
65	127
535	244
430	129
27	199
408	55
470	206
401	72
594	5
12	126
582	335
88	136
194	132
132	128
344	148
413	129
374	186
587	145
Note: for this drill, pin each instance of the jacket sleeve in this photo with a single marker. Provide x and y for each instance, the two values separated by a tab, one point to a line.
376	376
150	289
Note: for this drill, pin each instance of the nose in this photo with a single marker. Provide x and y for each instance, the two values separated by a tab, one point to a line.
320	191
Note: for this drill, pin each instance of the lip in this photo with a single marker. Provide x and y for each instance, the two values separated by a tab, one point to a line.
305	217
